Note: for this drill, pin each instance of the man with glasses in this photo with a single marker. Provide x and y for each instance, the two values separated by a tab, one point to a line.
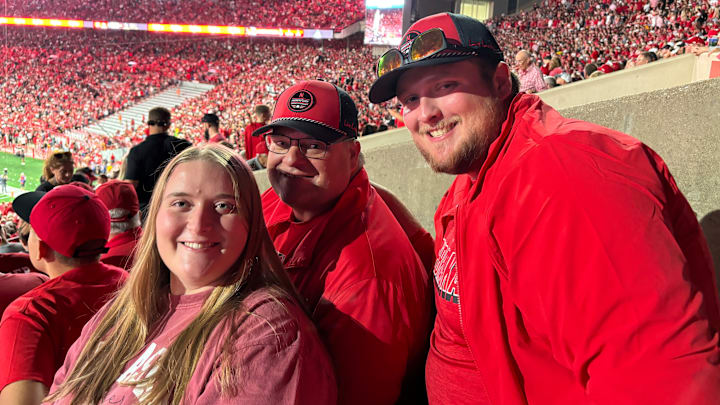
145	161
570	269
361	280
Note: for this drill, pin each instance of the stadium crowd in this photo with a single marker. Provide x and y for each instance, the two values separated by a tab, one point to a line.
333	14
565	36
567	40
90	80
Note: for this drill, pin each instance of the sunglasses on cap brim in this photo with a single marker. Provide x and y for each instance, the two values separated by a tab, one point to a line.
426	45
58	155
158	123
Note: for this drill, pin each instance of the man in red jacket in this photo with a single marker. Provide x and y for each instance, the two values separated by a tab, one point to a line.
570	269
351	261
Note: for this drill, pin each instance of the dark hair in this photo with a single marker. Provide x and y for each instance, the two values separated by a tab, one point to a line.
262	111
159	116
589	69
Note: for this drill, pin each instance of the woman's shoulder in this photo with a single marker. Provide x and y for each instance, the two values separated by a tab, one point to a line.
268	316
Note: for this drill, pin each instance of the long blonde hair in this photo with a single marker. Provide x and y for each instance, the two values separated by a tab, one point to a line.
130	319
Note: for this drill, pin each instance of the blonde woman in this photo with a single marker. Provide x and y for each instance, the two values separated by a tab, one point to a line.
208	315
57	170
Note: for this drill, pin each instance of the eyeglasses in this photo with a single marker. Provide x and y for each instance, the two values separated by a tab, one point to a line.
310	147
425	45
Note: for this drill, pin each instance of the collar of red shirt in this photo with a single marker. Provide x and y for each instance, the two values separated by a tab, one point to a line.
348	208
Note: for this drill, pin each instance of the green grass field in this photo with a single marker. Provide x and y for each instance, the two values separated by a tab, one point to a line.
32	170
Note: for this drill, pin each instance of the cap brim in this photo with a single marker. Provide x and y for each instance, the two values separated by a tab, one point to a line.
317	131
384	87
24	203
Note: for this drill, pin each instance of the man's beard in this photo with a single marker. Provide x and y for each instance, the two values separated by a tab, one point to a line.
472	151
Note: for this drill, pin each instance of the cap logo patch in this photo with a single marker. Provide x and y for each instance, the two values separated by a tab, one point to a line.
301	101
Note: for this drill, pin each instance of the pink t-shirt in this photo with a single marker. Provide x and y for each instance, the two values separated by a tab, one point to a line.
280	354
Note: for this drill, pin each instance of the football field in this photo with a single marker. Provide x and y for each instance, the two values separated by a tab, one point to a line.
32	170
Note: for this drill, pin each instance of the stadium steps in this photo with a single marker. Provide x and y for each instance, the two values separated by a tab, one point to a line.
169	98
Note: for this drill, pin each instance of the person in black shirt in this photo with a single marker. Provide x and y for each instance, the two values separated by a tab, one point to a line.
145	161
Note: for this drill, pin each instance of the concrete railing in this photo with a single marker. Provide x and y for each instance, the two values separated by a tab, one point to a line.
658	75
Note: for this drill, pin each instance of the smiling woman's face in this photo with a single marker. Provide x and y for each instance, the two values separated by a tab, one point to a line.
200	230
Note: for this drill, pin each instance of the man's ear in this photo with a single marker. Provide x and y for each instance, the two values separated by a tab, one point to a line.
44	252
502	81
354	153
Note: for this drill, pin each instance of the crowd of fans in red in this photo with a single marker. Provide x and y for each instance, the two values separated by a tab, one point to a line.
566	35
57	80
326	14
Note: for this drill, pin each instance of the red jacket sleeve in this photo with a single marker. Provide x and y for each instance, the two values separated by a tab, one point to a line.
608	264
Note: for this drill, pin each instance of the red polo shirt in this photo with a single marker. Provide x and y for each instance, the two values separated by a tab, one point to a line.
38	328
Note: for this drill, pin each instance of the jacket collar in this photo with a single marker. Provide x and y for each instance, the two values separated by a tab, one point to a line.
350	205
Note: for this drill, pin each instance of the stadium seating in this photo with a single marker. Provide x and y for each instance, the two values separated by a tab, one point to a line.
604	32
328	14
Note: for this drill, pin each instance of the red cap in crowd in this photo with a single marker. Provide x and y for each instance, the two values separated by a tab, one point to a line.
71	220
119	194
319	109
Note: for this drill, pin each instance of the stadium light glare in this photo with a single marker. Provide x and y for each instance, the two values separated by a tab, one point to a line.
174	28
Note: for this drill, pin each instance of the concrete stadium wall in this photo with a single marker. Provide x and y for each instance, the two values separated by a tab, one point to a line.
682	124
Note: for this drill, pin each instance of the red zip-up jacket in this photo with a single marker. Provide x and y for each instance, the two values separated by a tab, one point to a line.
367	290
583	275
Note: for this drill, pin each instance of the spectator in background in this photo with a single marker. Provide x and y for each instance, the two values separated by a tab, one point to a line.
121	200
645	58
102	179
208	315
89	174
211	124
145	161
589	69
70	228
8	238
3	181
255	145
57	170
531	78
342	247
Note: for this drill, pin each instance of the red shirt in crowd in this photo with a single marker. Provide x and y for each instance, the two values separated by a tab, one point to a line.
254	144
38	328
282	360
15	285
366	288
121	247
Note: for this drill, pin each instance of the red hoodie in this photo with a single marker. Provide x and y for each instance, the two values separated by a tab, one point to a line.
582	274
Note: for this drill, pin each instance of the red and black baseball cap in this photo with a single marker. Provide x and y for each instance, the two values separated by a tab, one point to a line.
458	29
71	220
319	109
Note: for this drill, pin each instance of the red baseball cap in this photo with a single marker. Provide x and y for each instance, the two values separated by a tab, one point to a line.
119	194
458	29
319	109
71	220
